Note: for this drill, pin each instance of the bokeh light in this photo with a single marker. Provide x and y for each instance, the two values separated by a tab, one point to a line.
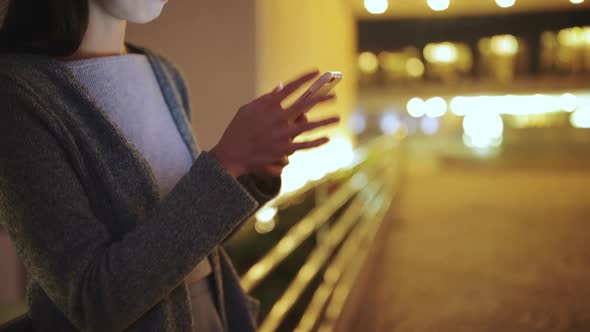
505	3
482	130
572	37
435	107
458	106
376	7
569	102
358	122
438	5
368	63
429	126
504	45
414	67
514	104
265	219
441	53
314	164
390	122
581	118
416	107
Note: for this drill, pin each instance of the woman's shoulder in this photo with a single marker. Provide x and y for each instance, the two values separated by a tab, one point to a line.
23	73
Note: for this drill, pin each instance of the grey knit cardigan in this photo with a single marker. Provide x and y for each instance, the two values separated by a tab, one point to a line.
102	251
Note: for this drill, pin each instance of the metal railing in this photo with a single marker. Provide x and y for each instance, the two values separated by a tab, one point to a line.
364	196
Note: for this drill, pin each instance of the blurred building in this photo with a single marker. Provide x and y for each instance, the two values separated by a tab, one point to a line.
493	73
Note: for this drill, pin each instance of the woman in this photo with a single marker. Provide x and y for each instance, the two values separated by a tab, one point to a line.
115	213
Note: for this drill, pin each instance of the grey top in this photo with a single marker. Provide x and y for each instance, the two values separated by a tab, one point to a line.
103	251
125	87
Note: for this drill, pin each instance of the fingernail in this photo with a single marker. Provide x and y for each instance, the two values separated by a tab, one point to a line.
278	87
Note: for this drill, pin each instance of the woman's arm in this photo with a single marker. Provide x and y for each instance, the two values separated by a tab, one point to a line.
263	189
98	283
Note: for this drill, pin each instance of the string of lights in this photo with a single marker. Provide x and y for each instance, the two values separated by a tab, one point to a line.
377	7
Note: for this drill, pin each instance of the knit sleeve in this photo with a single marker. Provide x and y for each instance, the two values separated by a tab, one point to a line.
262	189
98	282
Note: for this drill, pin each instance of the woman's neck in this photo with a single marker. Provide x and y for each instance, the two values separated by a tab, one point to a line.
104	36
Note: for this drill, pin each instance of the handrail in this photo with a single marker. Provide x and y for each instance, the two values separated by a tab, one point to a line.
320	254
343	288
337	282
298	233
367	189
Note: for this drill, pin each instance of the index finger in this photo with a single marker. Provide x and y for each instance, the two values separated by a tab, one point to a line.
292	86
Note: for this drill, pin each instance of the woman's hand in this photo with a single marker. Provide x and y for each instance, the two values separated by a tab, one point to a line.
262	132
276	168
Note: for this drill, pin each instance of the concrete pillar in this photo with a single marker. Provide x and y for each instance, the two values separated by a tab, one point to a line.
295	35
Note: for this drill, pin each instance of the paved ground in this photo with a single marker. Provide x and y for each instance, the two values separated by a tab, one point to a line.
480	250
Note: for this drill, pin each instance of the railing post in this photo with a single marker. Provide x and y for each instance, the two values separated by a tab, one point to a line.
321	195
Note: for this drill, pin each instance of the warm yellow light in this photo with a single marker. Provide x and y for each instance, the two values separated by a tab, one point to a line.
416	107
266	214
414	67
435	107
441	53
390	61
293	177
587	35
504	45
569	102
265	219
517	104
340	151
376	7
368	63
314	164
264	227
576	2
573	37
482	130
438	5
505	3
581	118
458	106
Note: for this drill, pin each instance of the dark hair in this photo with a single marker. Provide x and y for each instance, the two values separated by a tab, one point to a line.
44	27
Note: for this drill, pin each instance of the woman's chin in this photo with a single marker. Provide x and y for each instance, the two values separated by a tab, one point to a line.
147	16
134	11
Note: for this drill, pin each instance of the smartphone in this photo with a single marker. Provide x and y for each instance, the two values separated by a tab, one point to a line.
323	85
